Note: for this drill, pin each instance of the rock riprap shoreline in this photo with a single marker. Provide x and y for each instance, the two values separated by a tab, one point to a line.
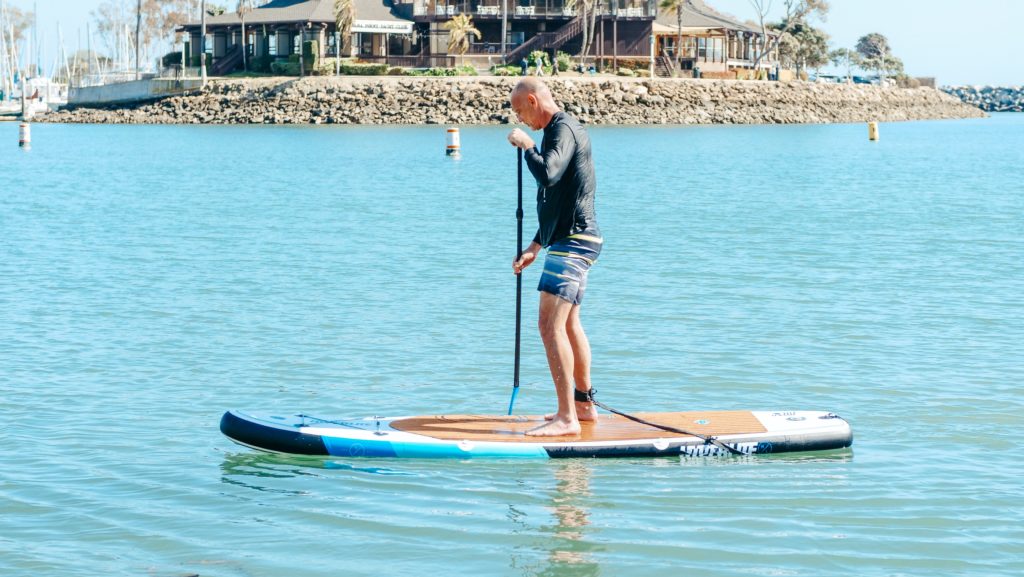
483	100
990	98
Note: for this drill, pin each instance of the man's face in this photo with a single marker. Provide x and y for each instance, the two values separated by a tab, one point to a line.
526	108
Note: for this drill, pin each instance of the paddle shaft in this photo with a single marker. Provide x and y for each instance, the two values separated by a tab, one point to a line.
519	277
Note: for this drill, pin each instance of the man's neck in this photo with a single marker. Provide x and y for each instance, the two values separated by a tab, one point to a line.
548	114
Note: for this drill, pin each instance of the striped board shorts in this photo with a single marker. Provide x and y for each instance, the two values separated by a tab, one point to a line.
566	266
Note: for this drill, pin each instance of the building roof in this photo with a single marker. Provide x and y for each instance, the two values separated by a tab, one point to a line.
302	11
664	29
697	14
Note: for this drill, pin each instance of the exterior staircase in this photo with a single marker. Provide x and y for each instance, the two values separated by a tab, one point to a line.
227	63
547	41
665	67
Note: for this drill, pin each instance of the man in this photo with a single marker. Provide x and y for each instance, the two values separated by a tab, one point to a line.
568	229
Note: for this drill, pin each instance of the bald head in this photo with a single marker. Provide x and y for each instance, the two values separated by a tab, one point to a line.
532	101
532	85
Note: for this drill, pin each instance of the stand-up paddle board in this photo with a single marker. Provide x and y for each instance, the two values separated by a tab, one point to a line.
474	436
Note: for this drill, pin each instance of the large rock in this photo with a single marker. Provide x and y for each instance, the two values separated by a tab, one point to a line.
990	98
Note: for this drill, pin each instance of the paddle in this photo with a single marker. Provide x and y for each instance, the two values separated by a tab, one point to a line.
519	277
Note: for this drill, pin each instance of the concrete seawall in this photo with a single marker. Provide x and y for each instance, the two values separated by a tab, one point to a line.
129	92
483	100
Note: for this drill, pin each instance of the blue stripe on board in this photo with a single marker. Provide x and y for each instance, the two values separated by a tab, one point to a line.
470	450
341	447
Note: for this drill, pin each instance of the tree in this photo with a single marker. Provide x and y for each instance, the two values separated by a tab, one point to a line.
244	7
845	58
796	11
802	46
873	45
810	46
344	19
892	66
18	22
588	14
876	54
159	18
677	6
460	29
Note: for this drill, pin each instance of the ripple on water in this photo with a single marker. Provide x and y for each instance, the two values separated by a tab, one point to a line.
143	294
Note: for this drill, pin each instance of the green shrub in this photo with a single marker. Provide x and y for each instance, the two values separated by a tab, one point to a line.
311	54
625	72
353	68
261	63
506	70
324	68
438	72
171	59
327	66
285	68
464	70
311	49
563	60
537	55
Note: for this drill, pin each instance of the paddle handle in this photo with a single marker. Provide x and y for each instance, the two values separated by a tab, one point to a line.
519	277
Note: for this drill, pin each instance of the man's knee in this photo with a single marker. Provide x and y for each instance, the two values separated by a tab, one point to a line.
553	316
549	326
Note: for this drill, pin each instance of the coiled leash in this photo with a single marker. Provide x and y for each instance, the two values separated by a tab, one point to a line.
588	397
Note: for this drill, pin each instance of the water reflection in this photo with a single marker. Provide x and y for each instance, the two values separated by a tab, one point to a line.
570	551
256	470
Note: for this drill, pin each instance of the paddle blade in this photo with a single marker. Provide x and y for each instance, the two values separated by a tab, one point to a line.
515	391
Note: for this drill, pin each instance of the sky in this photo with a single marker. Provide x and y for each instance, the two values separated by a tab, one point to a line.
956	41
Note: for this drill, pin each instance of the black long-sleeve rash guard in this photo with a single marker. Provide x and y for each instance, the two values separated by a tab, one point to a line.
566	184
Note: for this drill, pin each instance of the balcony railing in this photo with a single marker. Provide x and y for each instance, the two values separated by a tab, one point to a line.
530	9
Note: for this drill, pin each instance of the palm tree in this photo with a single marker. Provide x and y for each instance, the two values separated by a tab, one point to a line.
460	28
344	18
677	5
244	7
588	10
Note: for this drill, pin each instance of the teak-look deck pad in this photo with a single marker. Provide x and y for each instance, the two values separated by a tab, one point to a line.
606	428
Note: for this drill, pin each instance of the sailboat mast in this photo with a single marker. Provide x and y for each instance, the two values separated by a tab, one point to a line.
35	39
3	54
64	56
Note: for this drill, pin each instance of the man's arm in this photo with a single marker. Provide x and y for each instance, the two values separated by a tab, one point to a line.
549	167
529	255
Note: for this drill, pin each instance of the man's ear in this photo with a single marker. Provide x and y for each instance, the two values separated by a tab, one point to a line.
532	99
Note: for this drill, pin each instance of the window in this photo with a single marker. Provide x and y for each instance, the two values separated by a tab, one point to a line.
716	49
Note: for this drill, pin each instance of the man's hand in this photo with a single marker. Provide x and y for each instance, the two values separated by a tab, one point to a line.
529	255
520	139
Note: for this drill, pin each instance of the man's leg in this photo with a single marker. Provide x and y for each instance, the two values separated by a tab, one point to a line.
581	364
554	314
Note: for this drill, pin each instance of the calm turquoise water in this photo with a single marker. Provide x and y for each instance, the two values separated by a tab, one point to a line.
152	277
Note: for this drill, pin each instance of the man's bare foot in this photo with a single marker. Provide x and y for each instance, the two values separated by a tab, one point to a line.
584	412
555	428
